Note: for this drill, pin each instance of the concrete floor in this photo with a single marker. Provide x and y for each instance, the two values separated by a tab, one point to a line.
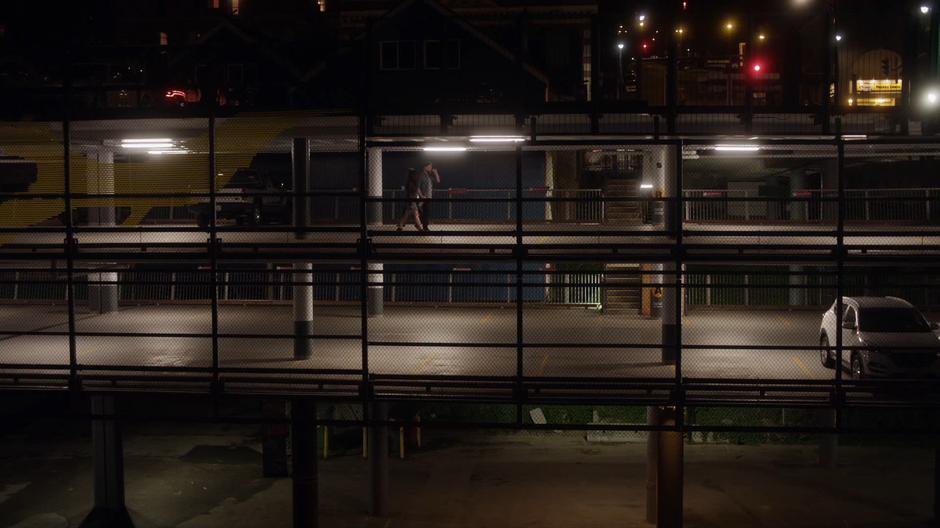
447	332
199	476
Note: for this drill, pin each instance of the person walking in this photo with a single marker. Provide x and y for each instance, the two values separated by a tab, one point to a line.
413	192
429	176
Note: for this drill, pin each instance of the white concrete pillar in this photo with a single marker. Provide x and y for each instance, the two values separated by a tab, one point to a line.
797	291
376	290
99	180
303	309
549	183
374	184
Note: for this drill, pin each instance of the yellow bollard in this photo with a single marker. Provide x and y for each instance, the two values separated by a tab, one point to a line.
365	442
401	442
326	442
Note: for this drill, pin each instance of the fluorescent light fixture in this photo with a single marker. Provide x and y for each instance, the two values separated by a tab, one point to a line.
497	139
147	140
147	145
445	149
180	151
737	148
646	186
854	136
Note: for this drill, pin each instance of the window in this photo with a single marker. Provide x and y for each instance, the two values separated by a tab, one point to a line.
214	3
236	74
234	7
163	38
849	317
452	54
433	55
440	54
397	55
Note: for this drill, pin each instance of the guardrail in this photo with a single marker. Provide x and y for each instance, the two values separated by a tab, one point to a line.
915	206
456	286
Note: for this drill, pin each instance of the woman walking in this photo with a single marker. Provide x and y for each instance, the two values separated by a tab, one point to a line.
413	191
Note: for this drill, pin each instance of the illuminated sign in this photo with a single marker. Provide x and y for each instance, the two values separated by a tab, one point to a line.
875	101
878	85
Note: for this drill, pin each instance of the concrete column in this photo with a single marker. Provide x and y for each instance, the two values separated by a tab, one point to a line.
797	292
829	443
670	335
99	175
936	485
374	183
99	179
669	472
376	291
274	442
652	463
301	180
304	463
549	183
303	310
378	462
109	510
103	292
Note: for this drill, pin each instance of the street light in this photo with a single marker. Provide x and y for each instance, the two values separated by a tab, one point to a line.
620	46
924	9
761	37
838	37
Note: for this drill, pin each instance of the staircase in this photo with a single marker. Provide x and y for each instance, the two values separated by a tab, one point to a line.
623	212
622	292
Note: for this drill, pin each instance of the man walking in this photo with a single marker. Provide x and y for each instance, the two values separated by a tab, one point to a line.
429	176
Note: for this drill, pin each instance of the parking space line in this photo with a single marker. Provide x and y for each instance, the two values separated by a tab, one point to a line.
802	365
426	361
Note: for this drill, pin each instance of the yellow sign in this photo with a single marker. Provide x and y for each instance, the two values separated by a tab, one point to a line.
878	85
875	101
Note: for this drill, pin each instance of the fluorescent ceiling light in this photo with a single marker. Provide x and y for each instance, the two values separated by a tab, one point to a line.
646	186
147	145
180	151
497	139
737	148
445	149
147	140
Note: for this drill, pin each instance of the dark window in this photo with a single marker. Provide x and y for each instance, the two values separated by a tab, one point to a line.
452	55
388	55
433	55
849	316
406	55
892	320
397	55
236	74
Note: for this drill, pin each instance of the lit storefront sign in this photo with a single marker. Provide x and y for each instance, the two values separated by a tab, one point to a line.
876	92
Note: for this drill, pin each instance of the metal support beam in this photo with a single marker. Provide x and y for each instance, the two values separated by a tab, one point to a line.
652	463
274	441
109	510
304	480
300	173
378	461
669	472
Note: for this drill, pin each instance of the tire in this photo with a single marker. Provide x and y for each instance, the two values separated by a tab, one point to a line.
825	356
858	369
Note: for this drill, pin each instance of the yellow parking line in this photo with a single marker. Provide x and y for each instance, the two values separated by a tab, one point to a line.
542	365
487	317
802	365
785	320
426	361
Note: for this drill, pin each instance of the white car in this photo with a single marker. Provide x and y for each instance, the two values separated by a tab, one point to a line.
894	339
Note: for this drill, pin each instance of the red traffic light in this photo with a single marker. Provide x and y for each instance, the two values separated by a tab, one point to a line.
757	67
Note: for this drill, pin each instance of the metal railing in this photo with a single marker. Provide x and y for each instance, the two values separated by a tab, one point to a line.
455	286
912	206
